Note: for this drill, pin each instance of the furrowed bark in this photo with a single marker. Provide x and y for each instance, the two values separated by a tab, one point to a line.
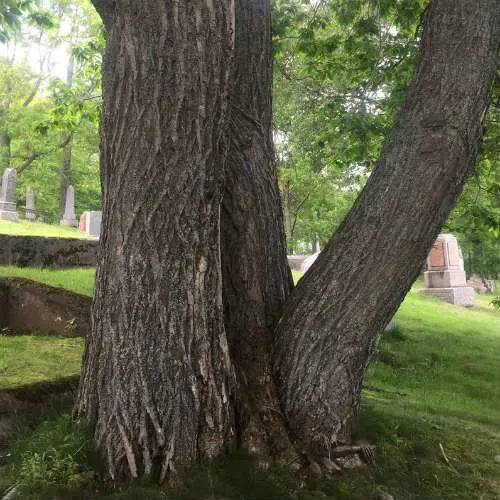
157	379
334	317
257	279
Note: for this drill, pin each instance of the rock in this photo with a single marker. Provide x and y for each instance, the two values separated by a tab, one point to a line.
383	495
350	462
497	459
315	468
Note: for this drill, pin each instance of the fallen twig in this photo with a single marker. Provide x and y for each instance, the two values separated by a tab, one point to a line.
448	463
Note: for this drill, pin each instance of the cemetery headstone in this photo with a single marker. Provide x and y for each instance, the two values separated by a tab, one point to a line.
90	223
30	213
308	262
445	275
481	285
69	218
94	219
8	207
82	225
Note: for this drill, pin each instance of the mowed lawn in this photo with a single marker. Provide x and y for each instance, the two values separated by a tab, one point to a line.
24	228
27	359
431	405
78	280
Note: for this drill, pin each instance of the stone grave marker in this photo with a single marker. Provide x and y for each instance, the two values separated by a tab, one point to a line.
309	261
82	225
445	275
90	223
94	219
8	207
69	218
30	213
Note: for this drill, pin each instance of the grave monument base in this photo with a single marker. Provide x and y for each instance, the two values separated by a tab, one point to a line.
69	222
458	295
9	216
445	279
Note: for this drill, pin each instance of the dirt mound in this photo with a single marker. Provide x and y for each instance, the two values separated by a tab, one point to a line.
30	307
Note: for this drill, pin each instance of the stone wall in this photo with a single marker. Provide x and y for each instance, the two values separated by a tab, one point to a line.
29	307
35	251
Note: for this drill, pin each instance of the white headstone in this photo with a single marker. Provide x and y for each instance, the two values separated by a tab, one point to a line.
8	207
69	218
30	213
93	223
308	262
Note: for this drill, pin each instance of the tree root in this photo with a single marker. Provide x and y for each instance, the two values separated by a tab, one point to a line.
342	458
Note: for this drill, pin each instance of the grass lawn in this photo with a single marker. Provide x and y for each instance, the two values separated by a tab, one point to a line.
24	228
433	386
28	359
79	280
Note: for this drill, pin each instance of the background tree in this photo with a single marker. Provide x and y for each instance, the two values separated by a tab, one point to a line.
341	73
39	111
476	217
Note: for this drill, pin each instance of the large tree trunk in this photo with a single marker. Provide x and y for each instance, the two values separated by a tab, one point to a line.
157	379
257	279
334	318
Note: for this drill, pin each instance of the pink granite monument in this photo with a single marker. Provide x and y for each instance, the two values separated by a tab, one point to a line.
445	275
82	225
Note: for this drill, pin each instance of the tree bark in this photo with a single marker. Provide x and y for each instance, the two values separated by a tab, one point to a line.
157	379
257	279
334	317
286	212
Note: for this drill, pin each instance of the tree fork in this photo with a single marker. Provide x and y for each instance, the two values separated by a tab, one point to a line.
334	317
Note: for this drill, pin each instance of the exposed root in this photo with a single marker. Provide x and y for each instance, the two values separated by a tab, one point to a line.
342	458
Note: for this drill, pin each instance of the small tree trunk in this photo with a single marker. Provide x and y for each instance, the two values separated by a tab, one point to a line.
257	279
4	151
333	320
64	181
286	213
156	380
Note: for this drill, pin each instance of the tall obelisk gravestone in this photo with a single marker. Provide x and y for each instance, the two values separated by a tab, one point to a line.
69	218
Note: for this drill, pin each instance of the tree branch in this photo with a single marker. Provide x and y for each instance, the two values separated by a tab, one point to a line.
105	9
38	82
34	156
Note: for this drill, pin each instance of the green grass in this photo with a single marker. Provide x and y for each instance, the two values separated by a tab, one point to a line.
78	280
24	228
28	359
434	381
